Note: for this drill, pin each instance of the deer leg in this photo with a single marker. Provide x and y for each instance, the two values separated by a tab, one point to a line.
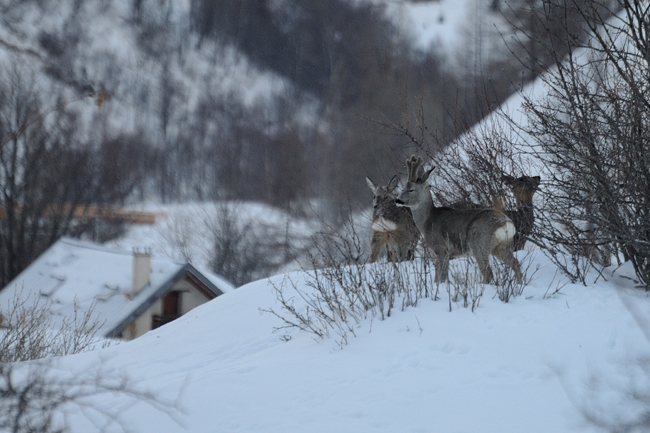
394	248
377	242
410	254
504	253
483	261
442	267
402	249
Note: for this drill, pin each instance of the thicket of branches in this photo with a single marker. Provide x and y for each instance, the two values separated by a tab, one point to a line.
228	238
336	292
590	133
586	137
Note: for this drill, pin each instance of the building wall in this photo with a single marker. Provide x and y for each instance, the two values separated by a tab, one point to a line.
190	299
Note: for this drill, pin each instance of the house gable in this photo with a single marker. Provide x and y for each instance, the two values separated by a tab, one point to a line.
99	278
194	288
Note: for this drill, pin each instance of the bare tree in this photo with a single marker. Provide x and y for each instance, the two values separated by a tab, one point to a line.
48	171
244	248
591	133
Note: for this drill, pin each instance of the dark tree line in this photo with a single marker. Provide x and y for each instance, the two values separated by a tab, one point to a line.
309	42
362	70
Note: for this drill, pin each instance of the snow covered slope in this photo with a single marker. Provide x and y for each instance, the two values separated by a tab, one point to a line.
504	368
467	33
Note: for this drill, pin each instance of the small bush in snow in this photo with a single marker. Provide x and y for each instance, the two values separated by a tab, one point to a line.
28	332
36	396
341	292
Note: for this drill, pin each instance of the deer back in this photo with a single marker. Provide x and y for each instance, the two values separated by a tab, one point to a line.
467	231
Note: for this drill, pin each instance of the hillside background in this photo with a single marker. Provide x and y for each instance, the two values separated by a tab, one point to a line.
287	103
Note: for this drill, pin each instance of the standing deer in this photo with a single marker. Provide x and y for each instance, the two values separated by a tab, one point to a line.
451	233
392	226
523	188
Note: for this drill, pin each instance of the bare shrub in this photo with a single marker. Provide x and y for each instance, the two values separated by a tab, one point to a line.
464	285
589	130
41	397
339	298
465	288
243	248
341	291
336	245
28	331
470	170
38	395
507	286
180	232
239	243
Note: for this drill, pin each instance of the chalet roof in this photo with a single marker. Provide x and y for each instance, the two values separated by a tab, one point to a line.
75	271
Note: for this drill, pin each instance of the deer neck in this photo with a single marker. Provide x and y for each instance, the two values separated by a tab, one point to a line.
422	212
525	208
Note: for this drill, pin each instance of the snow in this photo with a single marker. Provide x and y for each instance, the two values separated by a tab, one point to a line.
521	366
433	23
505	367
453	30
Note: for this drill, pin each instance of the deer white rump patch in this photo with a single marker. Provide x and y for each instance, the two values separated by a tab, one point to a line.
505	232
381	224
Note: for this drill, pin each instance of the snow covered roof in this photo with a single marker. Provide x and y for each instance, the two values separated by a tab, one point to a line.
73	271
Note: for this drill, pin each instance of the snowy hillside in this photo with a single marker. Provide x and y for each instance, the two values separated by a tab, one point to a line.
96	46
434	23
545	361
467	33
515	367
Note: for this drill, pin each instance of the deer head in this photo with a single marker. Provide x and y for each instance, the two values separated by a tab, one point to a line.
523	188
416	190
382	194
392	226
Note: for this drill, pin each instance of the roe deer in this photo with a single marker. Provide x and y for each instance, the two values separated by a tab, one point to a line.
451	233
523	188
392	226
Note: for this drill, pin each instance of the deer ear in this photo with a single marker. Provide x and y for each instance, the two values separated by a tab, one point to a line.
371	184
393	183
428	175
508	179
536	180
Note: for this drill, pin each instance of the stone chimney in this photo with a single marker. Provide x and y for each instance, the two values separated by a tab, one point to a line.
141	268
